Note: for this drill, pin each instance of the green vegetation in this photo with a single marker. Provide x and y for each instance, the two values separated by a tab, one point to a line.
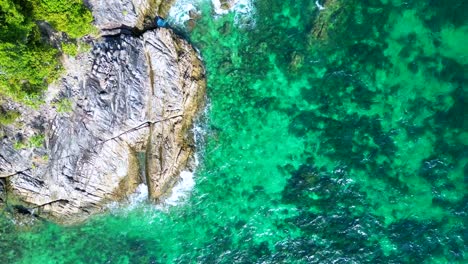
73	49
19	145
69	16
7	117
70	49
27	63
26	70
63	106
35	141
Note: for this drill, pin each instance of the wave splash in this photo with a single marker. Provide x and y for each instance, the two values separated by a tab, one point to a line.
139	198
181	10
184	10
181	189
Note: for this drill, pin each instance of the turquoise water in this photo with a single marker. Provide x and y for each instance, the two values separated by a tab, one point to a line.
337	136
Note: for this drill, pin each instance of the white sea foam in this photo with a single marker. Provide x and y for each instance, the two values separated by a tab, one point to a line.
319	6
179	194
181	189
200	132
243	10
237	6
185	185
133	200
140	195
217	8
180	11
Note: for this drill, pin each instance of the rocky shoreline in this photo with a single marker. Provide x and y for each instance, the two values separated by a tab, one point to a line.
132	101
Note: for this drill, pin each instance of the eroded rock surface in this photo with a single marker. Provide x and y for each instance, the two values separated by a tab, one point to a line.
132	13
133	101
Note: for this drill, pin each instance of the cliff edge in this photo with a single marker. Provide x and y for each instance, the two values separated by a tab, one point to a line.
132	100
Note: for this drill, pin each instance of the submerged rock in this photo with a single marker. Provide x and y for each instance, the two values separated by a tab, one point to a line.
132	103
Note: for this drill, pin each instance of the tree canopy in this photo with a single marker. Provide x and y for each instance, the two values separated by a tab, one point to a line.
27	64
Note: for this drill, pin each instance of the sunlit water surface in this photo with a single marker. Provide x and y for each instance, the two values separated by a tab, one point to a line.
332	136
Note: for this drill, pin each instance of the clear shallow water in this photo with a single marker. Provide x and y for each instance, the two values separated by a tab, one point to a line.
344	146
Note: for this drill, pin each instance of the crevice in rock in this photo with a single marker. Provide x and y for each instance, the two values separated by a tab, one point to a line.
148	159
151	72
159	49
49	203
113	104
141	159
3	191
5	160
127	30
142	125
26	210
8	175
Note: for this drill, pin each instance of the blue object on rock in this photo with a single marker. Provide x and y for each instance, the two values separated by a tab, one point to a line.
160	22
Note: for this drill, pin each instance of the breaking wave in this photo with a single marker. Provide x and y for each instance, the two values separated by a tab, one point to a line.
183	10
181	189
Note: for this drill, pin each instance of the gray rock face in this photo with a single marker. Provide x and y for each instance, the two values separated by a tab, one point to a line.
131	13
134	100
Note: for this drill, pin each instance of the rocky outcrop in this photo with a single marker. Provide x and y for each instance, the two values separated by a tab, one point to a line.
132	103
131	13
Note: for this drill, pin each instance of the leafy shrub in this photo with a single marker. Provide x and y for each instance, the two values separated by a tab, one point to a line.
26	70
70	49
63	106
8	117
19	145
69	16
28	65
36	141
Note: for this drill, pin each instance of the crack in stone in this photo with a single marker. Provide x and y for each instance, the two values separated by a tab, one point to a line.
8	162
11	174
51	202
140	126
126	30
